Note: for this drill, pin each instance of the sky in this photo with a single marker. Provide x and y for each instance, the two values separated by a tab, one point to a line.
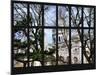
48	36
50	15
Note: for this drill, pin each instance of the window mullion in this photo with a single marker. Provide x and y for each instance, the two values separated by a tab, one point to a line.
69	34
56	35
28	34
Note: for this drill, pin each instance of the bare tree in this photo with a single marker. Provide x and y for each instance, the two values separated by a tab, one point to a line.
76	21
87	20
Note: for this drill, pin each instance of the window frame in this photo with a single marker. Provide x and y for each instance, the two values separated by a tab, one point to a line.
57	67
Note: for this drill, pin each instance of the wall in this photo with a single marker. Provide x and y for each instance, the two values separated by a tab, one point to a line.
5	37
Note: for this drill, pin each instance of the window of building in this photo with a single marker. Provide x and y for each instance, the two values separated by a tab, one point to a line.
44	35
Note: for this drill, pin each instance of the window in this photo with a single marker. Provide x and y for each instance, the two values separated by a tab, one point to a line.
52	37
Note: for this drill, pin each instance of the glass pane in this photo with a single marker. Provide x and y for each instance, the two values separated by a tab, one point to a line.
49	15
63	46
88	44
88	17
20	47
35	15
76	46
76	20
36	43
63	16
49	47
20	14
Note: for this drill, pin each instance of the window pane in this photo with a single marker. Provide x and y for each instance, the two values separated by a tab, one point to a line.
20	47
88	46
49	15
88	17
35	15
49	47
76	46
76	20
36	37
20	14
63	46
63	16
